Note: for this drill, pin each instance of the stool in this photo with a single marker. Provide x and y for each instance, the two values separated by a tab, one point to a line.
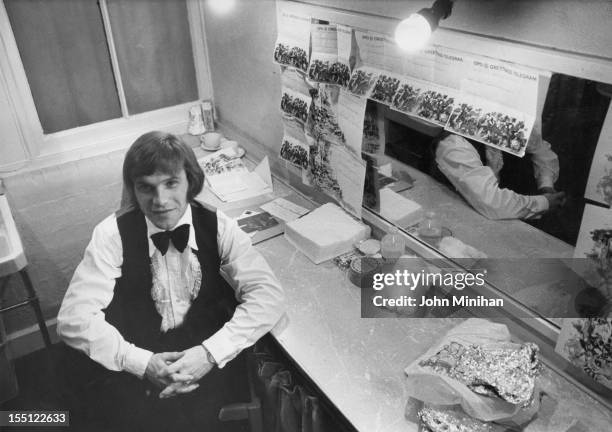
13	261
32	300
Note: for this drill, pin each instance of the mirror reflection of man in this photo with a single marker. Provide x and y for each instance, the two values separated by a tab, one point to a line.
476	177
149	301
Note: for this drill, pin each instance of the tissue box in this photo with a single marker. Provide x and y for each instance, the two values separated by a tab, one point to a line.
326	232
399	210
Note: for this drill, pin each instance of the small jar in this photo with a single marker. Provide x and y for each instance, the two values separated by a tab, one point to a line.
430	228
392	245
361	271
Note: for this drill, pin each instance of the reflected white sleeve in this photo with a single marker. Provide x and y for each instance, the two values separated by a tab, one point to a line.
461	164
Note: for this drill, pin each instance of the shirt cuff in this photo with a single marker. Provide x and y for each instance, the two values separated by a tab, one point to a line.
545	182
542	203
219	347
136	360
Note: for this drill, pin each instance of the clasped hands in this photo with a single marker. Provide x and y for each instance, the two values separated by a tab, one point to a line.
556	200
178	372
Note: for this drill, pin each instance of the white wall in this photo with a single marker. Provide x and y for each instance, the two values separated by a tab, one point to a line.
246	83
580	26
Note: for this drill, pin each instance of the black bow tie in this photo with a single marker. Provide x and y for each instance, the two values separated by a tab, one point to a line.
179	237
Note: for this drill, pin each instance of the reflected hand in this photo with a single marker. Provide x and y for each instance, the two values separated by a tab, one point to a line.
556	200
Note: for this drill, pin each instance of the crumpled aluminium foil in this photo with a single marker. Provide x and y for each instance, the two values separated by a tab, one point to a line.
505	372
435	420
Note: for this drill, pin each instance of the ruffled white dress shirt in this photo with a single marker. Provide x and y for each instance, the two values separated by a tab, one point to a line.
176	281
479	185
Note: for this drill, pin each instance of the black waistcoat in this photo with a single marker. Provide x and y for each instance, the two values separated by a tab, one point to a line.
132	309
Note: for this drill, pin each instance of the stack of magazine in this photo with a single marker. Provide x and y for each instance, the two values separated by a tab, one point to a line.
229	179
260	225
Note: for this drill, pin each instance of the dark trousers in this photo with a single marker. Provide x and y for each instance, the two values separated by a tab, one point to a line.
118	401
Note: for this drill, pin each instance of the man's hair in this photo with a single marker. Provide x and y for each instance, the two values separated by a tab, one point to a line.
160	152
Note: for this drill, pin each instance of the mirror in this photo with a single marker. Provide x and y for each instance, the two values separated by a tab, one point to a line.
573	115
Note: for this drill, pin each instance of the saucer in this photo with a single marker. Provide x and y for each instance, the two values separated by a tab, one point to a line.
211	149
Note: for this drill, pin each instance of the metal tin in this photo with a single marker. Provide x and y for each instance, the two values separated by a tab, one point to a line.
361	271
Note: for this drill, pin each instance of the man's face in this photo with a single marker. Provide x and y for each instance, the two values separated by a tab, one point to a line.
162	197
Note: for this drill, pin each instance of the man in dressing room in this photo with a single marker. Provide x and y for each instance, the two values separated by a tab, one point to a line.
167	296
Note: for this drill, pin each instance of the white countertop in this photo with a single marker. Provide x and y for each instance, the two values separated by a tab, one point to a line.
358	363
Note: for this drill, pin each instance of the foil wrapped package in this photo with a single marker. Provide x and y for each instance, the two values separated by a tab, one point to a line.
434	419
499	370
477	367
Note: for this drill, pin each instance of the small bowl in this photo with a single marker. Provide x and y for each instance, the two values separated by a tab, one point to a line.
233	145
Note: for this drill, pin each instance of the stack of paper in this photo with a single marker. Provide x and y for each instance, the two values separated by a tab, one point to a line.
230	180
284	210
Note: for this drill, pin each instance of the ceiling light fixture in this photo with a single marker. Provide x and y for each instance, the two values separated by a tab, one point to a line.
413	33
221	6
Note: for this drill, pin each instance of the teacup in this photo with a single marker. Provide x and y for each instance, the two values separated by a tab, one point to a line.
211	140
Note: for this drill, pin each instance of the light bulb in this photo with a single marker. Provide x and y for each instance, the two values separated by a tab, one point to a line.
221	6
412	33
